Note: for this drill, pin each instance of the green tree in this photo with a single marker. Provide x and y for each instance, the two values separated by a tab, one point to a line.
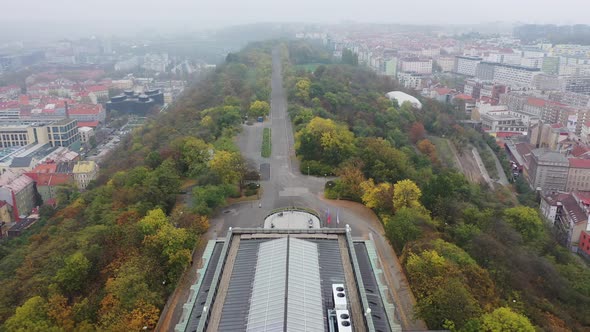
31	317
403	227
208	198
195	155
72	277
152	222
504	319
526	221
259	108
450	302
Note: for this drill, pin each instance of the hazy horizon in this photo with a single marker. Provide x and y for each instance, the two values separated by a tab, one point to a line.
43	20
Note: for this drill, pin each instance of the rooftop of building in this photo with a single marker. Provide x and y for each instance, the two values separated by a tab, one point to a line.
402	97
463	96
14	181
84	166
287	280
469	57
85	109
579	163
569	204
87	124
579	150
63	122
545	155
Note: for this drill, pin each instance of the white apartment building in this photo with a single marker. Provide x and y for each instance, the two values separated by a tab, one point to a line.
518	76
466	65
85	134
532	62
430	52
447	64
416	65
507	58
410	80
502	121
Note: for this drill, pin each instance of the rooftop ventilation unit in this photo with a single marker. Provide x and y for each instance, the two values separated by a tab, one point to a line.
339	294
343	320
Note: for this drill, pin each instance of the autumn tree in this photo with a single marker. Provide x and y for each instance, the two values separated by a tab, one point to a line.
325	140
259	108
302	88
349	181
229	166
406	194
427	148
504	319
193	154
377	196
417	132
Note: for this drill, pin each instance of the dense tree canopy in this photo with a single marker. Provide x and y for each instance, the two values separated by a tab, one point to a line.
479	247
107	258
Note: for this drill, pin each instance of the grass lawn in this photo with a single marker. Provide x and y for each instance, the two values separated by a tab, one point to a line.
443	150
266	145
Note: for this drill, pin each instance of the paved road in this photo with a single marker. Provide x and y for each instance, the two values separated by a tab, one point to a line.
286	186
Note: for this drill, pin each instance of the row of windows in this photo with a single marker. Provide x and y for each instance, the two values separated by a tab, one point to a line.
14	137
13	143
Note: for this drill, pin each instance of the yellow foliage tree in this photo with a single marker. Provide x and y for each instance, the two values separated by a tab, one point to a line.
406	194
378	196
259	108
228	165
145	314
303	86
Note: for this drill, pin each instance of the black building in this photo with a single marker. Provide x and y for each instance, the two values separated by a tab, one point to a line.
136	103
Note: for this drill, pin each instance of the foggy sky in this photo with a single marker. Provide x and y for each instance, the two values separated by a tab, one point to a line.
223	12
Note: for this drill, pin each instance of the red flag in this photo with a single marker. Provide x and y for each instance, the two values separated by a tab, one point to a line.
329	216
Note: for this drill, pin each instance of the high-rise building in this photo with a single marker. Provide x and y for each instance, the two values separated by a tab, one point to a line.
466	65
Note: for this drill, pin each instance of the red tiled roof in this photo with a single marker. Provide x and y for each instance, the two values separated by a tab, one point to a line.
579	150
583	196
536	102
80	109
463	96
87	124
443	91
507	134
579	163
9	104
95	88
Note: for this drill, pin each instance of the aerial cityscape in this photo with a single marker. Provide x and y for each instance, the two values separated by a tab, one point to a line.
306	166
